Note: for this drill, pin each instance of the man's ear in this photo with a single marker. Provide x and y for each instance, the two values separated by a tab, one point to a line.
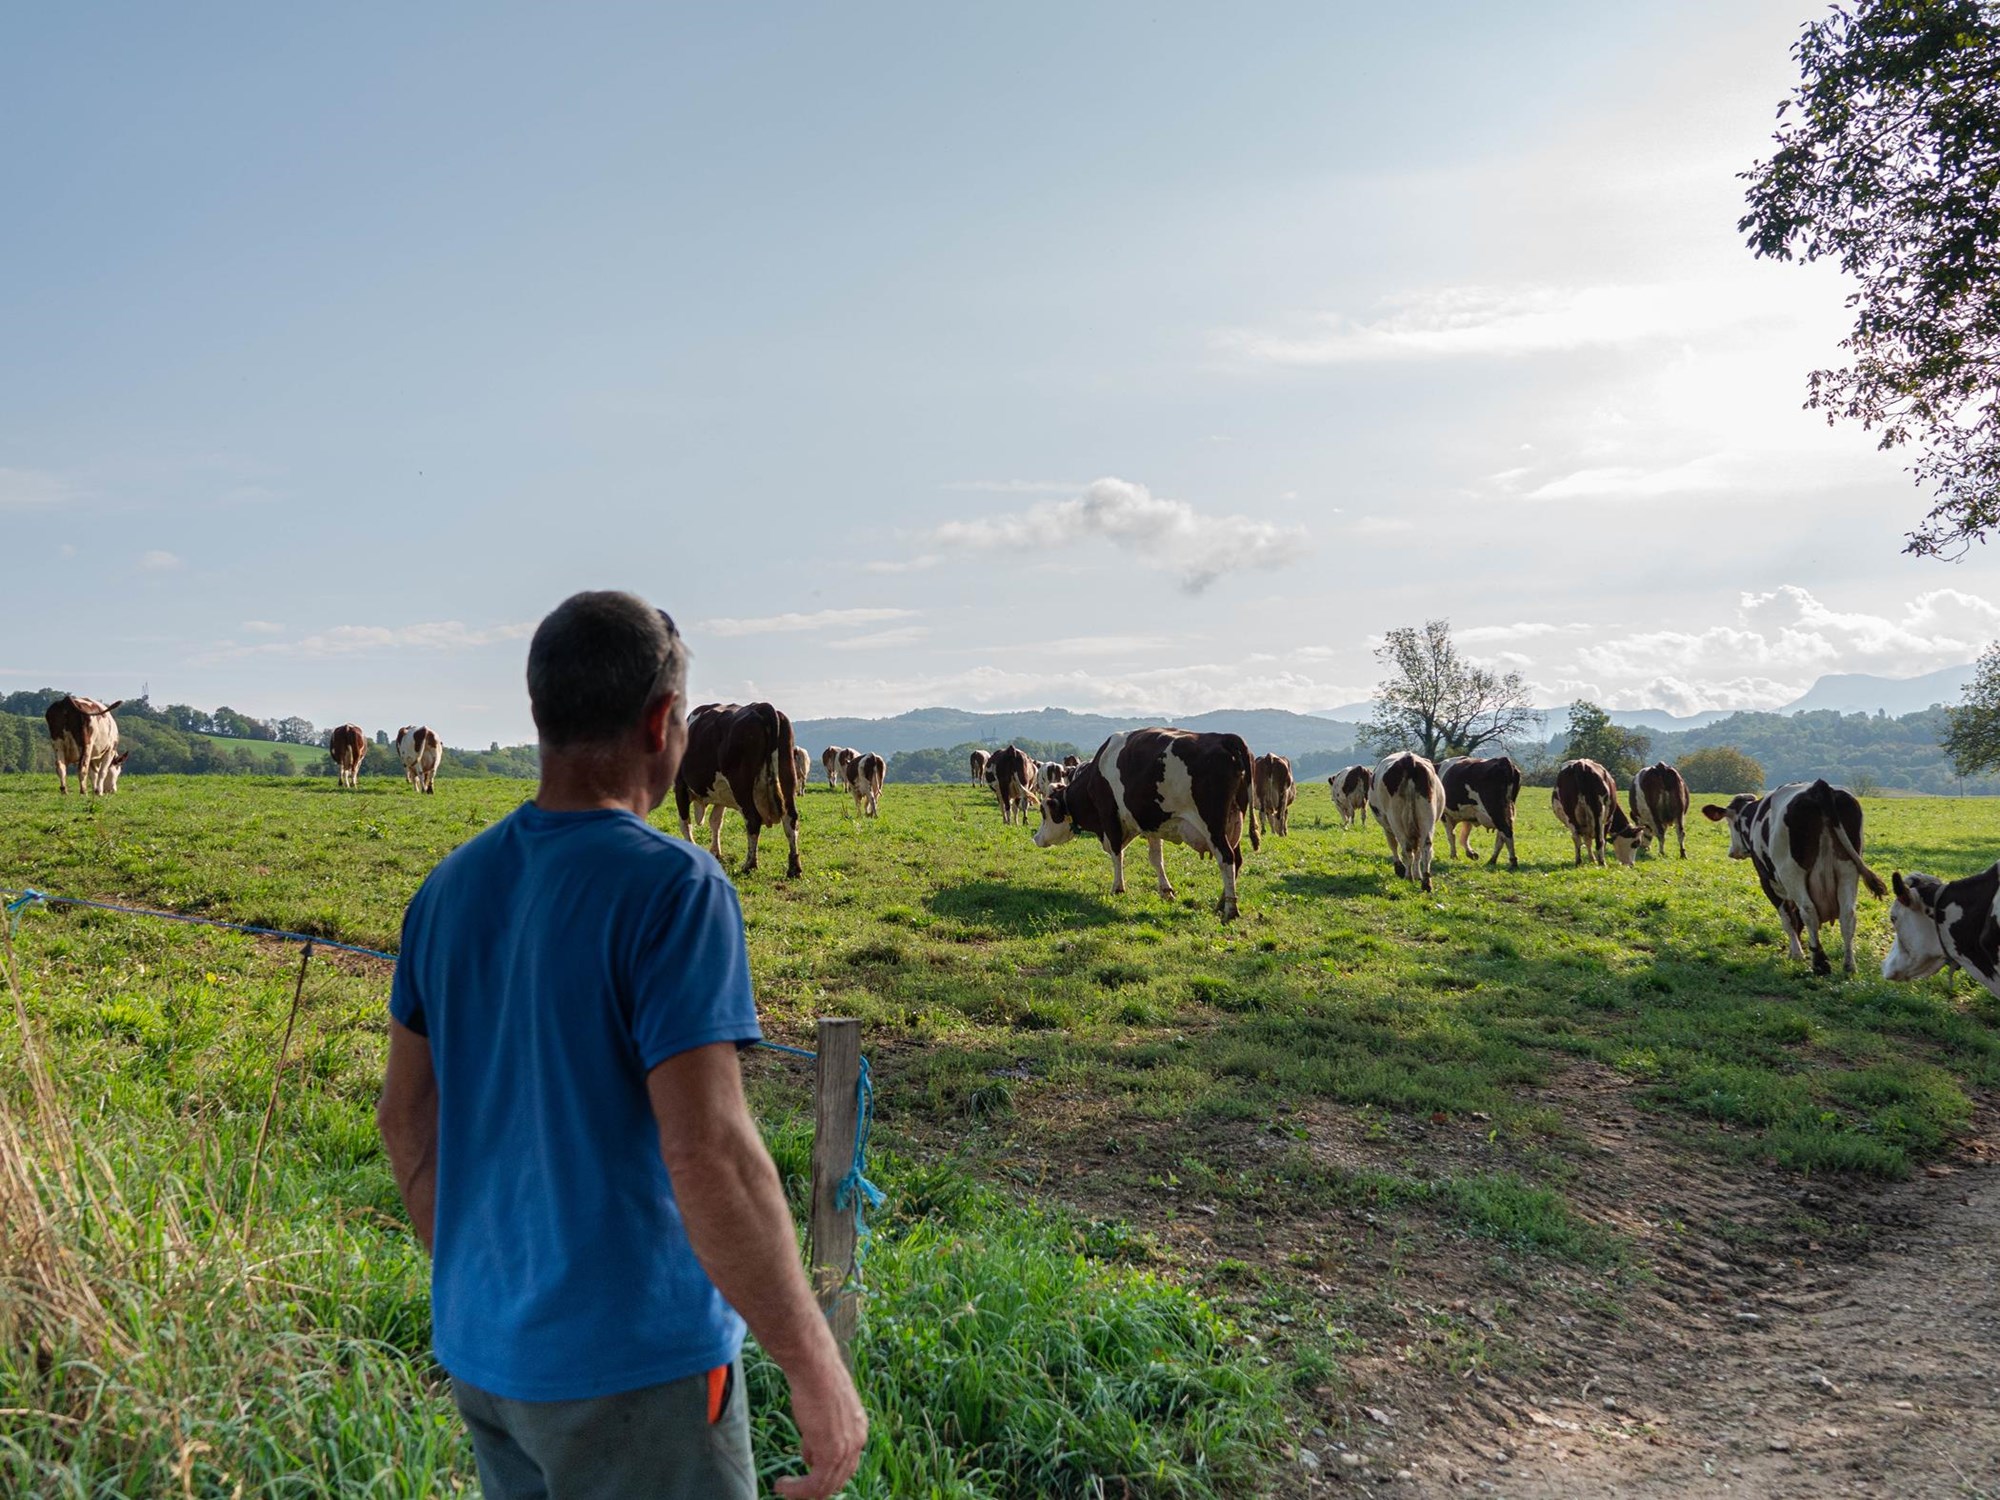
659	714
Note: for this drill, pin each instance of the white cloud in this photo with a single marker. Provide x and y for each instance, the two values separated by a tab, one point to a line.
918	564
1168	534
906	635
1625	482
158	561
1461	322
1779	644
1521	630
357	640
30	489
263	627
785	624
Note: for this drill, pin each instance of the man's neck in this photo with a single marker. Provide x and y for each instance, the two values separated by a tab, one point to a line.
593	782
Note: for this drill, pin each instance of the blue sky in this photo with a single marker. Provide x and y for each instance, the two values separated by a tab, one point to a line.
1141	358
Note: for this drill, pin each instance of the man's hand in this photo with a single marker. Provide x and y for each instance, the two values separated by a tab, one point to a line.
832	1429
741	1229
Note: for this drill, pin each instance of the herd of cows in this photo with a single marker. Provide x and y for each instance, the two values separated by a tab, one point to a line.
1205	791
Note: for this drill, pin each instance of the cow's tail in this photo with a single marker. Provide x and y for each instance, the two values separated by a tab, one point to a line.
1822	794
785	765
1246	791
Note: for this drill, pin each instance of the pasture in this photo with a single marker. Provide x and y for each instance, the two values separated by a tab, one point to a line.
1168	1196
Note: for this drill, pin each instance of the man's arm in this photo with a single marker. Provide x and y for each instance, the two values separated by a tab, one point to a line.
407	1116
741	1229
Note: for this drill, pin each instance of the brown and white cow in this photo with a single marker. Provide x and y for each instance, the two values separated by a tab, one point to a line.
1275	791
1011	774
864	782
85	736
349	748
1072	762
418	748
1407	798
802	765
1935	923
978	766
1162	785
1585	801
740	756
1350	793
1659	802
831	763
1480	792
1804	842
1051	774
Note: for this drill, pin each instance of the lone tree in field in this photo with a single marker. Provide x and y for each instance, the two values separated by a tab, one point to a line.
1973	741
1888	162
1436	702
1721	768
1592	736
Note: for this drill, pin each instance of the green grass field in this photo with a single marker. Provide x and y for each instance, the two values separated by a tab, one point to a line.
1013	1346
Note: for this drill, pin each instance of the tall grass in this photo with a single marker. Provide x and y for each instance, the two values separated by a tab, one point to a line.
150	1346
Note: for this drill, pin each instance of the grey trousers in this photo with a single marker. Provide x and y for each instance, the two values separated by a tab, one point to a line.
651	1444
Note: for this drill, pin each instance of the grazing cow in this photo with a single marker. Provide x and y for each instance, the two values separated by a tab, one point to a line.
1407	797
113	769
1480	792
1350	794
802	765
1159	784
1072	762
349	748
1804	841
1937	923
85	736
864	782
1275	790
978	766
418	748
1660	802
830	762
740	756
1585	801
1012	776
1053	774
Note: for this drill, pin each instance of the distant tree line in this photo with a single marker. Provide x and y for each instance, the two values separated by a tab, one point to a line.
176	740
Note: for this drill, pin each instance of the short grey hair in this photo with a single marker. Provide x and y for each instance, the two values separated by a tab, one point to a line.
598	662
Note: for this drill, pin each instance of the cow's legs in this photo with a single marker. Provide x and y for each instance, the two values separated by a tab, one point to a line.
1680	831
1819	959
792	866
1424	847
1847	936
1395	850
715	833
753	826
1226	860
1117	869
1156	851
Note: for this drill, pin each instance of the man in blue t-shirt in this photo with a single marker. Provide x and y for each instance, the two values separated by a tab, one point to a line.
564	1114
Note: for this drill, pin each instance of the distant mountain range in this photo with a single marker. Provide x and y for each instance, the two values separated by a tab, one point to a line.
1842	692
1286	733
1266	729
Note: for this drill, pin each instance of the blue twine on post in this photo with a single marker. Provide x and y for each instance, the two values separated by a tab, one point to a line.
854	1190
19	905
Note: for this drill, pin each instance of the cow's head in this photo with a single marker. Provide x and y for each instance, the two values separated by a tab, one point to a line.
1737	815
1918	949
115	769
1056	825
1627	842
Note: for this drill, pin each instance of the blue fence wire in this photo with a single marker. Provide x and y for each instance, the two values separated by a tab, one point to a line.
853	1192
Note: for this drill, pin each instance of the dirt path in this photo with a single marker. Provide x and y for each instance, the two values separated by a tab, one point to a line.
1782	1337
1882	1378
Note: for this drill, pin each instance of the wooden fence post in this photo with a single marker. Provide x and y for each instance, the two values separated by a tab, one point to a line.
830	1236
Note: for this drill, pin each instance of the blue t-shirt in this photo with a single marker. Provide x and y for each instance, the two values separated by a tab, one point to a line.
553	961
